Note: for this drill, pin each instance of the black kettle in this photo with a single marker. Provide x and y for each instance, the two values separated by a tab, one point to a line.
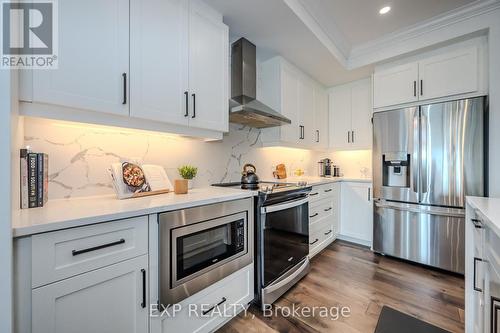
248	175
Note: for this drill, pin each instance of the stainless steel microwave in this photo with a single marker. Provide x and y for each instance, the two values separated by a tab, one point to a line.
200	246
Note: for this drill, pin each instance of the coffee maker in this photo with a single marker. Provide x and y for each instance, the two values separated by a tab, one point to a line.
325	167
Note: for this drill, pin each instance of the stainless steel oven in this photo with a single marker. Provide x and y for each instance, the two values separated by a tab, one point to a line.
200	246
283	238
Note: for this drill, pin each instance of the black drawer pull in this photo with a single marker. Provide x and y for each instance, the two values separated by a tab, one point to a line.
329	190
95	248
474	275
213	307
329	232
143	304
313	215
315	241
313	194
328	209
477	223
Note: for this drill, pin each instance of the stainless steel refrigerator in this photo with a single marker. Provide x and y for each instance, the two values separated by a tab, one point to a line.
426	159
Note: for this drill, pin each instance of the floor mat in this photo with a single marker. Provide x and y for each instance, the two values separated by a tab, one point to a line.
393	321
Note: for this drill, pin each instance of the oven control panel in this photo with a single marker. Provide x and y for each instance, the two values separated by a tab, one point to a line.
240	235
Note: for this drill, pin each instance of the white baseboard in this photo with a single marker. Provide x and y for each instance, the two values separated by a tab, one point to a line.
359	241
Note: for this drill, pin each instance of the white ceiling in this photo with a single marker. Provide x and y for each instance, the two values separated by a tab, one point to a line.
276	28
358	21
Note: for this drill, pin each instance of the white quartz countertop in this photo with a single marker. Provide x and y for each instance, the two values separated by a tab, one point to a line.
490	209
68	213
312	180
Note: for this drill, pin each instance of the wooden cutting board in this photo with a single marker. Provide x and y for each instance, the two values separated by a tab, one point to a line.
280	172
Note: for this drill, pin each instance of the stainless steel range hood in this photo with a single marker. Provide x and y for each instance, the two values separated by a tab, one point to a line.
244	108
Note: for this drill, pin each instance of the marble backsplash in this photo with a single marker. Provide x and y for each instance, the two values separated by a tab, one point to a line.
79	155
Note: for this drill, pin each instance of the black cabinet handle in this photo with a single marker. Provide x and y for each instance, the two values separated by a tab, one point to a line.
421	87
328	209
477	223
329	190
143	304
348	136
186	94
474	275
317	135
213	307
352	137
313	194
124	75
369	194
194	105
315	241
313	215
95	248
414	88
329	232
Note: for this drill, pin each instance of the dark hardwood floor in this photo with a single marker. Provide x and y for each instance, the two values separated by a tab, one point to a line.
347	275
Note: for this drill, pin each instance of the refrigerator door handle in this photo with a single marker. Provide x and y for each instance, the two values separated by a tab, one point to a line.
415	154
415	208
423	153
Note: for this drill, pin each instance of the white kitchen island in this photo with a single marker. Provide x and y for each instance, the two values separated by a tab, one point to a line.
482	265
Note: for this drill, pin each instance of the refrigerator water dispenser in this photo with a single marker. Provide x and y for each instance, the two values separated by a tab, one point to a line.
396	169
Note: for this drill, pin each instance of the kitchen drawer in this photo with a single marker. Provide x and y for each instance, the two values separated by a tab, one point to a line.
233	294
320	192
320	209
319	233
62	254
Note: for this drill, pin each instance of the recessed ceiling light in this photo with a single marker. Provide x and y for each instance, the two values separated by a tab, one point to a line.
384	10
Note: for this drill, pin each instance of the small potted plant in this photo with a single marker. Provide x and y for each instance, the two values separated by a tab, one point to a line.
188	172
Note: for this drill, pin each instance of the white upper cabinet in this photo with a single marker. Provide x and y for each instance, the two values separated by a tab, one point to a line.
289	106
208	70
340	117
350	116
159	60
93	58
320	129
361	114
455	70
306	112
300	99
449	74
395	85
177	52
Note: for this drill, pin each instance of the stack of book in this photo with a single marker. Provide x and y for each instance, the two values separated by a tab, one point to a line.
34	178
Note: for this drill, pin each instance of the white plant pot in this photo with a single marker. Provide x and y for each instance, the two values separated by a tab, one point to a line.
190	184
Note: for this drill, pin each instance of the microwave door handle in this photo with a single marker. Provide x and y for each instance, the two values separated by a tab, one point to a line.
283	206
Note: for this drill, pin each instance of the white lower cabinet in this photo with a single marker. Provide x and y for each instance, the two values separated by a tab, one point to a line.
324	209
108	300
356	213
210	308
482	273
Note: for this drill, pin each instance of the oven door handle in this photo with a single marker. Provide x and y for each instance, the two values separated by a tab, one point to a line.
283	206
287	280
